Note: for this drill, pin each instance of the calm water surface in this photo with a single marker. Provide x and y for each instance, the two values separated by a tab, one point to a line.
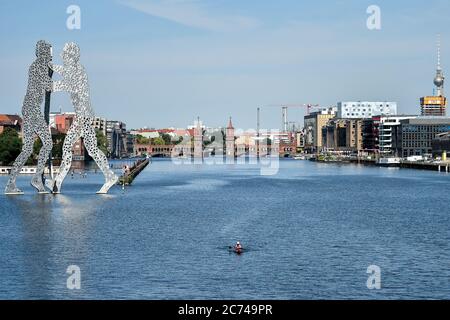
311	232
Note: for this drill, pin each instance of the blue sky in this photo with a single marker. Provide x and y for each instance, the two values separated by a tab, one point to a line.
161	63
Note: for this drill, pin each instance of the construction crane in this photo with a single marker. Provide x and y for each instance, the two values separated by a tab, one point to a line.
284	111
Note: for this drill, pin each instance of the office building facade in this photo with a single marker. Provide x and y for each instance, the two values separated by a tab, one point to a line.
314	123
417	134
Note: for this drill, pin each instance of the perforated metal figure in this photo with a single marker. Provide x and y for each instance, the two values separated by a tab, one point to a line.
75	82
33	120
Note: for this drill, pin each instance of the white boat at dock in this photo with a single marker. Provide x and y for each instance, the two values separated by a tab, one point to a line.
389	162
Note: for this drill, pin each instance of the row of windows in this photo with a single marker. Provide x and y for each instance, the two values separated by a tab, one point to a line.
359	110
419	135
418	128
416	144
368	110
368	114
357	114
363	105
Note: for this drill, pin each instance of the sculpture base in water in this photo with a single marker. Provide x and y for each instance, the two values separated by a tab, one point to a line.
105	188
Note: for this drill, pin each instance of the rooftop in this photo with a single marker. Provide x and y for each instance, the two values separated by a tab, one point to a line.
10	119
428	120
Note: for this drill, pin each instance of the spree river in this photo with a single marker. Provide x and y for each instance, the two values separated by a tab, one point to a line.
311	231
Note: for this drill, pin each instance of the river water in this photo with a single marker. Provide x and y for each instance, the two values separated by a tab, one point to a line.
310	231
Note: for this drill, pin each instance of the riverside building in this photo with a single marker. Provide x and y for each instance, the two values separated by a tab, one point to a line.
314	123
10	121
381	134
343	135
417	134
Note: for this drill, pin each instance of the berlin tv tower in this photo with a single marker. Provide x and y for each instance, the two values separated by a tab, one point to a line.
439	79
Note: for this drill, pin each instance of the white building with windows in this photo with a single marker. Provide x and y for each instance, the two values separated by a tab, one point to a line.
365	109
388	132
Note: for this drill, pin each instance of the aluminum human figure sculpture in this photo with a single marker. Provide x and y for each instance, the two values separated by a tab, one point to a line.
75	82
33	120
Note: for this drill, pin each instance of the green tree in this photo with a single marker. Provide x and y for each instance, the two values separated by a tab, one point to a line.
180	139
142	140
102	141
167	138
208	142
10	146
158	141
58	142
57	149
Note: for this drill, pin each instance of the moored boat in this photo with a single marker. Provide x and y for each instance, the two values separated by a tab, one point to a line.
389	162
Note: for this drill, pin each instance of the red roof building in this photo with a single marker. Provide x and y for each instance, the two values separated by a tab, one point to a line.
11	121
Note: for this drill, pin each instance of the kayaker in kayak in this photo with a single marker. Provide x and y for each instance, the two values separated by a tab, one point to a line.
238	247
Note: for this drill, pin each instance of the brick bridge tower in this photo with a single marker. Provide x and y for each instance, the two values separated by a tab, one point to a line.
198	141
229	142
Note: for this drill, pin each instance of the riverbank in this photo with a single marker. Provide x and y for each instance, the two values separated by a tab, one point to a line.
404	164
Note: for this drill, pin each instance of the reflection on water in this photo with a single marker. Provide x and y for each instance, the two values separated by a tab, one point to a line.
311	232
54	232
36	226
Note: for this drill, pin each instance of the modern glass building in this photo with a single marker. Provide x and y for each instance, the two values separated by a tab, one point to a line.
417	134
380	134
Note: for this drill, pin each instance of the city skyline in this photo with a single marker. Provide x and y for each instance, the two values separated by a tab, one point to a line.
163	63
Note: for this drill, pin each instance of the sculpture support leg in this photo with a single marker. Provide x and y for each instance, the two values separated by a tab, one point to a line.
27	150
90	141
43	133
72	136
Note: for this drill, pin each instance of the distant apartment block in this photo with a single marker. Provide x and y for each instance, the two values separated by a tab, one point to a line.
61	122
314	123
365	109
116	135
300	139
343	135
381	134
433	106
100	125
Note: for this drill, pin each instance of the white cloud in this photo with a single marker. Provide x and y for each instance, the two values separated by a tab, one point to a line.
191	13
